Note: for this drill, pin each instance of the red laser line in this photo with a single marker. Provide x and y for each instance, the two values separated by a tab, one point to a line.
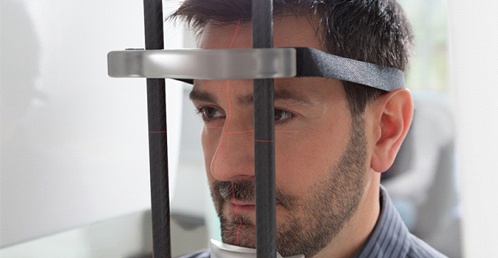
263	140
225	132
222	139
235	34
157	132
218	149
238	217
240	132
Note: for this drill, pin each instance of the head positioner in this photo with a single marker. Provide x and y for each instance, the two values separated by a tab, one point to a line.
263	63
189	64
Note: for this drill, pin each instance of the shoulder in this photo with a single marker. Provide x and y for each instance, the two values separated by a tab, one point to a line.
200	254
391	238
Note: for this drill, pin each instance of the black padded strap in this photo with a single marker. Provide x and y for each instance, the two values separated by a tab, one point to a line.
315	63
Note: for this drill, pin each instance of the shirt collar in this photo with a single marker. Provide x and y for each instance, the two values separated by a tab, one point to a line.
390	237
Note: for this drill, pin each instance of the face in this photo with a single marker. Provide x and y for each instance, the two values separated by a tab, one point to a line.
319	147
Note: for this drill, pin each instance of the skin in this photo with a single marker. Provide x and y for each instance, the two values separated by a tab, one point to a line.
328	163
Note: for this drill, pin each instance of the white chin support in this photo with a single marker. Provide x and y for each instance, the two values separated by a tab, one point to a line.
222	250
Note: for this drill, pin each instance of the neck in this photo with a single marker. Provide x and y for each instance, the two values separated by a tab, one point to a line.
357	230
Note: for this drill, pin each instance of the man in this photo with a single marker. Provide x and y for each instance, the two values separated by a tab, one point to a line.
333	138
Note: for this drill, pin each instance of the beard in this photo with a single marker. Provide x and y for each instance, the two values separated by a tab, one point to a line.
311	221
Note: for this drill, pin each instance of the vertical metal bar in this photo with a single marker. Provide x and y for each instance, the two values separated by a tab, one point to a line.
158	144
264	136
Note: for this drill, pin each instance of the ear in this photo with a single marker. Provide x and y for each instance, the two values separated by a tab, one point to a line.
394	116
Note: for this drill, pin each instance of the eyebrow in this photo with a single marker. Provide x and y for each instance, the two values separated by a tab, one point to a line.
280	94
197	95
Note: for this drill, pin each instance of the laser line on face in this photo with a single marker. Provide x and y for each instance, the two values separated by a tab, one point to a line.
245	100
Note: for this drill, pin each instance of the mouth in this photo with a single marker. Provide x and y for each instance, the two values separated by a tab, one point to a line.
238	207
242	207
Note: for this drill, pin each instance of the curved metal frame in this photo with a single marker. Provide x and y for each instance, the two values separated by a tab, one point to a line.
263	63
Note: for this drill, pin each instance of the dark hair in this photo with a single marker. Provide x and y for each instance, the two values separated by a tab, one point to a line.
374	31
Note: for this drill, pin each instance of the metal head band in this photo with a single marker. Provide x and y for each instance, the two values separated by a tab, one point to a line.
263	63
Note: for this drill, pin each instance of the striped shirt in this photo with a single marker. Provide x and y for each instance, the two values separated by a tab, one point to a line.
389	239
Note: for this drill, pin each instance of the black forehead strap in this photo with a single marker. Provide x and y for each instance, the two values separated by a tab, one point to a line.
315	63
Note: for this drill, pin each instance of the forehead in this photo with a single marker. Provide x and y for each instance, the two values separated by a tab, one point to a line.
288	31
306	91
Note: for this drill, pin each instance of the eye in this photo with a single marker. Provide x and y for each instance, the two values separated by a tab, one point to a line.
209	114
282	116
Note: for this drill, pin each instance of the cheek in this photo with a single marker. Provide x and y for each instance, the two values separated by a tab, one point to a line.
304	158
299	163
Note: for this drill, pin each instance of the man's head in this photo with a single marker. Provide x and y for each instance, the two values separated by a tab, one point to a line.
332	137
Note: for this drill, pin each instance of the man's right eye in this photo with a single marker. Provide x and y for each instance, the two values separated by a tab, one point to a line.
209	114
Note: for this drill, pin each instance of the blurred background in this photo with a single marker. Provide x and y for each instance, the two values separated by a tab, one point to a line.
74	178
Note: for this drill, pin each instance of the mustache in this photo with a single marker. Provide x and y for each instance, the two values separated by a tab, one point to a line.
240	190
244	190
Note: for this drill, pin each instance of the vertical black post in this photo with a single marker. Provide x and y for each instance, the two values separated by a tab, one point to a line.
264	136
158	144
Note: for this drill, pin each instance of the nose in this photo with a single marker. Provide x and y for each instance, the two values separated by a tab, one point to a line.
233	158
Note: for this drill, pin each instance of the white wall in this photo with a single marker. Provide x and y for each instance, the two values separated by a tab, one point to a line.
73	141
474	62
